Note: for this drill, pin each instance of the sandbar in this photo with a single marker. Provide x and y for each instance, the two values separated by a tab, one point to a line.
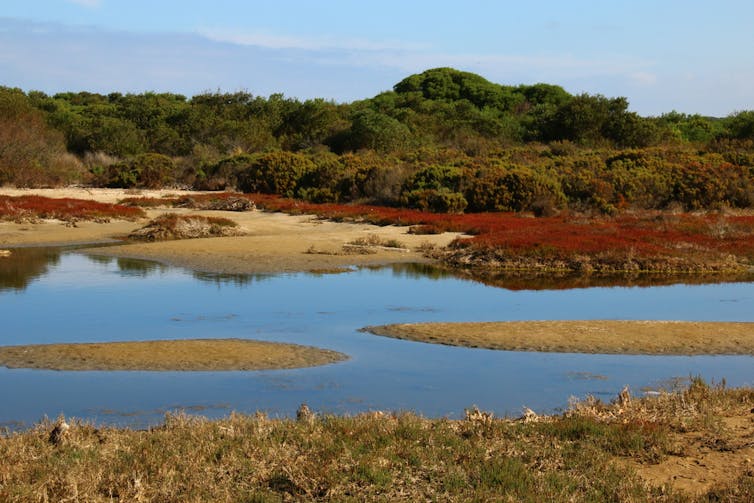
585	336
168	355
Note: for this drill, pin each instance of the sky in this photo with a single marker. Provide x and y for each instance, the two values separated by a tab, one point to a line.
692	56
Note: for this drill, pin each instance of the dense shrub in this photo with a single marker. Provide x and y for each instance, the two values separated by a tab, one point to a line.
376	131
436	200
512	189
150	171
273	173
223	175
442	140
712	183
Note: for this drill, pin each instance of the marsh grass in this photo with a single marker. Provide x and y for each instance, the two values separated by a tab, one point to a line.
375	241
371	457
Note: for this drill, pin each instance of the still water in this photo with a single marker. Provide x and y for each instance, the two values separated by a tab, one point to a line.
49	296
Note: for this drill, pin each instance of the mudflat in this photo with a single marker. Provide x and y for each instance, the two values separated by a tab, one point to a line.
586	336
183	355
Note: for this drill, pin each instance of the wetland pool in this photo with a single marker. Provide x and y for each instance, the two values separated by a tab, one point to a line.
54	296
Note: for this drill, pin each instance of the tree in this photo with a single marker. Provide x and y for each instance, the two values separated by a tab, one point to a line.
741	125
31	152
376	131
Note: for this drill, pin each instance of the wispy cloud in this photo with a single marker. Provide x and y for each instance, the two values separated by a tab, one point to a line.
86	3
410	57
644	78
54	57
261	38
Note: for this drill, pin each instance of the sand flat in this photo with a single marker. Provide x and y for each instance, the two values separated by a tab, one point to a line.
167	355
272	242
587	336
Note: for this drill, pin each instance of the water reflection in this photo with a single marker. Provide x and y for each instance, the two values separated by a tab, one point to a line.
553	280
130	267
24	266
228	279
89	298
526	280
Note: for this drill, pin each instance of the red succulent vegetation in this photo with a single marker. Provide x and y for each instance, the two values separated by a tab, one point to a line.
642	241
34	207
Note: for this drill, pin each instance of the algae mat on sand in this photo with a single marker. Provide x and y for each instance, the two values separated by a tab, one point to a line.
591	336
192	354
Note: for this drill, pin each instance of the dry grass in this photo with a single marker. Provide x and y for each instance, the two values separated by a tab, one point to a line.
591	336
186	354
171	226
595	452
371	242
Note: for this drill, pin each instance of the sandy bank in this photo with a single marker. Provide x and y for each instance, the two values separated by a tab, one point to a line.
592	336
184	355
273	242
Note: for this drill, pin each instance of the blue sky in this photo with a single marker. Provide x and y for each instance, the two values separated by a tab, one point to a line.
692	56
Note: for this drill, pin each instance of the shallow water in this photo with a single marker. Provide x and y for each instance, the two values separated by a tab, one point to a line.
50	296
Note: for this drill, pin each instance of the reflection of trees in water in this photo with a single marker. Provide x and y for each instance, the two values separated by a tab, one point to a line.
141	268
100	259
130	266
144	268
418	271
564	281
530	280
228	279
25	265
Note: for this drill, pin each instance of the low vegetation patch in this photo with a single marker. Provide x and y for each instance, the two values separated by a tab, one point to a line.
32	208
591	336
593	452
216	202
191	354
630	242
375	241
633	242
172	226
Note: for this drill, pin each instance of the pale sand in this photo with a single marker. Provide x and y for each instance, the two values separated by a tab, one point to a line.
184	355
274	242
592	336
111	196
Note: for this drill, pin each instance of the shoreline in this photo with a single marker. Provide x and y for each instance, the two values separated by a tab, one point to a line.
271	242
693	444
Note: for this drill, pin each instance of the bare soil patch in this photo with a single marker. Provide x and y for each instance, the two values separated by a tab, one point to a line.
706	459
184	355
588	336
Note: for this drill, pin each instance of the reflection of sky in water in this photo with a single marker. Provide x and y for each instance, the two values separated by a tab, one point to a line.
81	299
